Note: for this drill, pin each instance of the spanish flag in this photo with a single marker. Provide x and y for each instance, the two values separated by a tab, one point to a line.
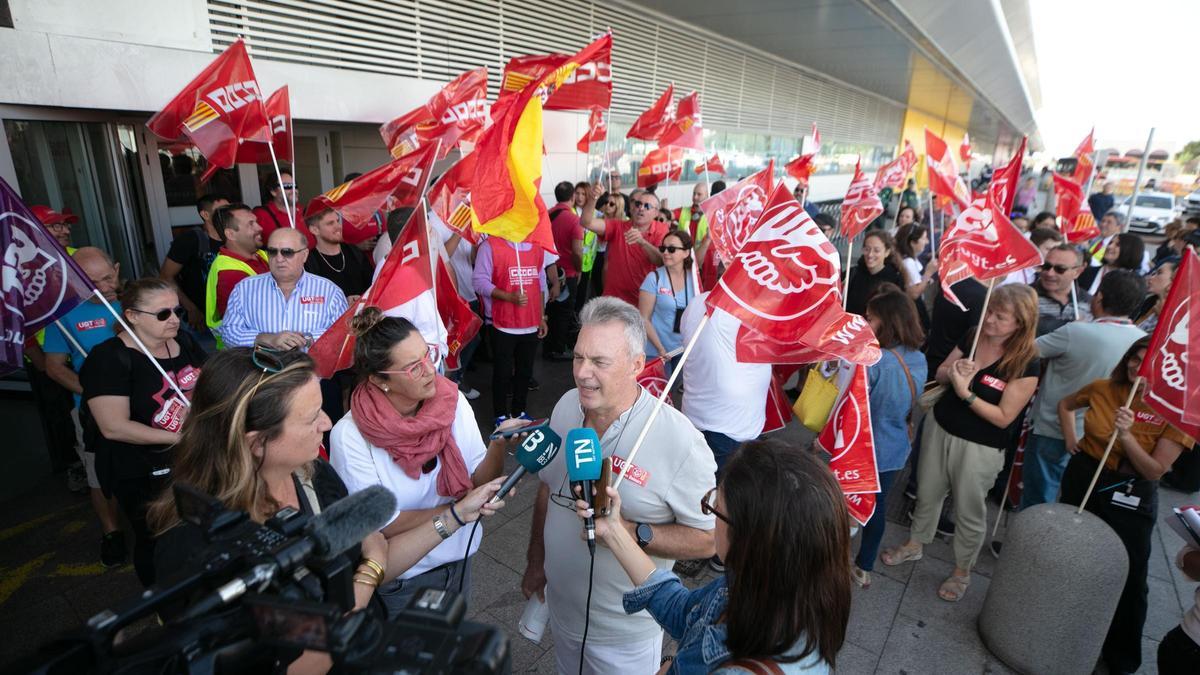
505	199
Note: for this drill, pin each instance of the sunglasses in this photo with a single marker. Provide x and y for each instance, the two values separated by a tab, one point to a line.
1061	269
287	253
417	369
288	186
671	249
645	205
707	509
162	314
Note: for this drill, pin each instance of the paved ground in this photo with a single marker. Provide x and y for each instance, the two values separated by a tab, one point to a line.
50	580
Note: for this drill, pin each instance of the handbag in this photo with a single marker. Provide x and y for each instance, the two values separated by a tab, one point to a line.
931	396
816	399
912	390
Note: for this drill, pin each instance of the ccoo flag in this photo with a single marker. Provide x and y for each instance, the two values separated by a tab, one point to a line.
217	110
279	112
40	281
458	112
685	131
589	86
650	125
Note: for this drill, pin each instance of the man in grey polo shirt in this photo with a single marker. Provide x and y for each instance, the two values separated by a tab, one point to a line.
660	499
1076	355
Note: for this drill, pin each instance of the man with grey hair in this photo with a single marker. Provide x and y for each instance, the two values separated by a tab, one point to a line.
660	499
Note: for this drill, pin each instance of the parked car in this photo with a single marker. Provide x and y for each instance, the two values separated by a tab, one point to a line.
1152	212
1191	204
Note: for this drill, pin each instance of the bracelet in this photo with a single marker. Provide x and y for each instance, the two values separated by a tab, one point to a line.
440	526
970	399
455	514
375	567
364	582
368	579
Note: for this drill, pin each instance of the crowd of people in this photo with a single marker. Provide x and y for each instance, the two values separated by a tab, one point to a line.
209	384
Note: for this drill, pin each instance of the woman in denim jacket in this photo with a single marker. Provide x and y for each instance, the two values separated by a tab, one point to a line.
783	532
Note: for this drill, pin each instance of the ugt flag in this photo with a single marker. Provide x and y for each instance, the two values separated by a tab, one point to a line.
983	243
1172	380
733	212
894	173
849	439
40	281
861	205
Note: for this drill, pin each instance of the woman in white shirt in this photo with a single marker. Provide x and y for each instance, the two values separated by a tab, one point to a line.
411	430
911	240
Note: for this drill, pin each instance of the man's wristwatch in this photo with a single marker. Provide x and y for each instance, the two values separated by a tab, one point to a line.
440	526
645	534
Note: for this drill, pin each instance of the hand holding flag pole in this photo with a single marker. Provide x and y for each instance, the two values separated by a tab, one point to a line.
1108	448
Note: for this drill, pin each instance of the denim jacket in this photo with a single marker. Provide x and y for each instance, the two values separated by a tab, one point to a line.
691	617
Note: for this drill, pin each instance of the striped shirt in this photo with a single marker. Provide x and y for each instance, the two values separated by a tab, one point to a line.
257	306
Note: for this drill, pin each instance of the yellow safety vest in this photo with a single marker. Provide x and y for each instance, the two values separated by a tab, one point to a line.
685	219
222	263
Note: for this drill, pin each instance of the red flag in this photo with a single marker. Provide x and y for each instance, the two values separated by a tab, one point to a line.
713	165
801	168
597	130
653	378
279	112
983	243
407	273
659	165
1077	222
450	197
399	183
848	438
861	507
837	334
964	149
733	212
458	112
785	276
943	174
652	123
217	110
894	173
1083	156
1003	187
1172	381
462	323
816	136
860	206
589	86
779	407
684	131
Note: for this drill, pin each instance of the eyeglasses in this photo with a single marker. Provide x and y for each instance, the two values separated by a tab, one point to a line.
287	253
270	360
671	249
162	314
644	205
288	186
707	509
417	369
1061	269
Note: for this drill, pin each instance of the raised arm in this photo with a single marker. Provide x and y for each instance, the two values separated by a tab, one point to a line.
588	219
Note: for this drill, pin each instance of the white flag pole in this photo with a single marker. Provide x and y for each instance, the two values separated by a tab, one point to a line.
982	315
70	338
1108	449
158	366
291	208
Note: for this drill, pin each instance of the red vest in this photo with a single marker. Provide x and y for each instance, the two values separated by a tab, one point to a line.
508	276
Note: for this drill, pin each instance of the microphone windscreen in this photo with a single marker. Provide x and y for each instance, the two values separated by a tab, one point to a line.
583	455
349	520
538	449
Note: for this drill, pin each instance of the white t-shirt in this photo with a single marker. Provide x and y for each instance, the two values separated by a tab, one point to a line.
720	394
912	270
670	474
361	465
460	261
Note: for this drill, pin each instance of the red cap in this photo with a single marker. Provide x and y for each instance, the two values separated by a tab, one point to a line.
49	216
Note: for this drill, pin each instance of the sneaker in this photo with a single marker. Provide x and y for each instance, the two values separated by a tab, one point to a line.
716	564
77	478
533	384
470	392
860	576
112	549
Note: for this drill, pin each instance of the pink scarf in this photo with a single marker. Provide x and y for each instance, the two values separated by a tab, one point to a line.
413	441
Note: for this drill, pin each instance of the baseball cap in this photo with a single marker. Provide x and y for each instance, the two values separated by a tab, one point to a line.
49	216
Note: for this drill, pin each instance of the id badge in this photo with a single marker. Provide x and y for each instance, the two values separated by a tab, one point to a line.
1126	501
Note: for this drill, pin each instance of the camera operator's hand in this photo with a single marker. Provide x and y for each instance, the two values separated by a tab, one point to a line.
475	504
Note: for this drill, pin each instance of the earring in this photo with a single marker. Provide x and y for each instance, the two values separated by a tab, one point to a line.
384	388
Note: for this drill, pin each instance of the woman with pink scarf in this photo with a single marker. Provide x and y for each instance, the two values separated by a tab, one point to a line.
411	431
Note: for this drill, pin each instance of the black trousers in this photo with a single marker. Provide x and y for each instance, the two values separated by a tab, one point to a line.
1178	654
134	496
1123	645
54	404
561	319
512	366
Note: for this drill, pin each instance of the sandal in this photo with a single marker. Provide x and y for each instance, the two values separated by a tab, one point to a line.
901	555
953	588
860	576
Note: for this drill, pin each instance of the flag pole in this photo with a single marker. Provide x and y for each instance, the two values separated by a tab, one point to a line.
932	229
982	315
141	345
1111	441
70	338
291	209
658	403
849	253
604	157
1075	301
1137	182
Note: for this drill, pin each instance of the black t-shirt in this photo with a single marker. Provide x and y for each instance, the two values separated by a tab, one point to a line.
113	369
188	249
863	284
349	270
949	323
953	414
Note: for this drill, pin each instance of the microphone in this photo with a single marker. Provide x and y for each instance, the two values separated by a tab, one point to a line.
534	454
344	524
583	470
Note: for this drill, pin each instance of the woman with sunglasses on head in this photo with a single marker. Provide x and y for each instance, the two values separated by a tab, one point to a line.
135	410
665	293
411	431
784	600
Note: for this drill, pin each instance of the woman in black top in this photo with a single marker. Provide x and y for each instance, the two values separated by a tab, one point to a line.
878	264
962	448
137	411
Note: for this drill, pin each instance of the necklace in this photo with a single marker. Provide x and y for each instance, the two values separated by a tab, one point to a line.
341	254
